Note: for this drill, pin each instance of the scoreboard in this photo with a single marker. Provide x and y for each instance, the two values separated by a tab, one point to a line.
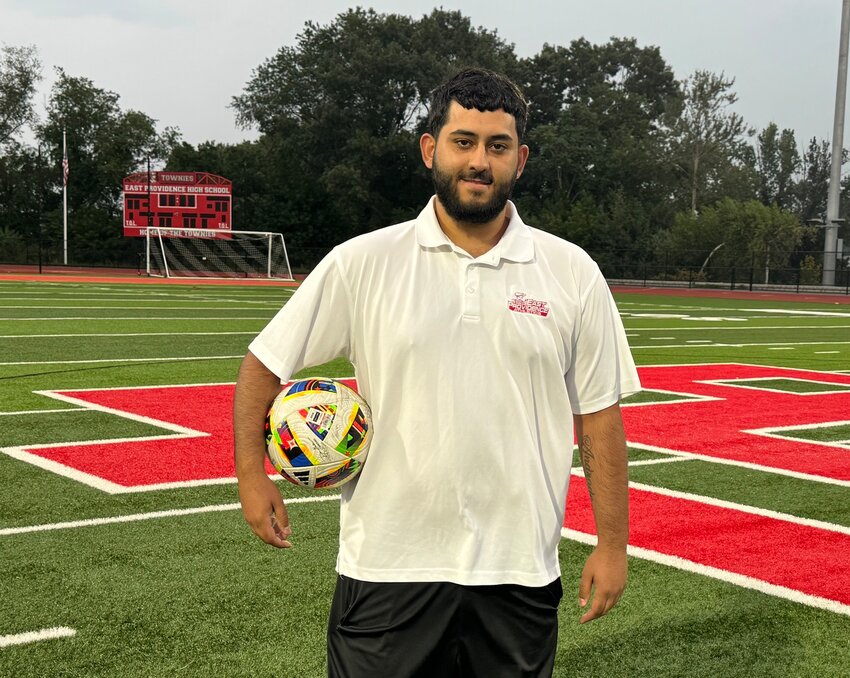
197	203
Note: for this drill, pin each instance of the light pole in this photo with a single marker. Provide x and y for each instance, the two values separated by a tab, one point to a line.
832	244
830	241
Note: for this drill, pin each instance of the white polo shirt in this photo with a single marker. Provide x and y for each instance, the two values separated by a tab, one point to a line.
473	369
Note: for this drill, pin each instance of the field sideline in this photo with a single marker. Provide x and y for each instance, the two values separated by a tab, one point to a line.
125	553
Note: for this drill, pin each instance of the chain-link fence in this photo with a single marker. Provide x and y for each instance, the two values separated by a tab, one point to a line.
803	271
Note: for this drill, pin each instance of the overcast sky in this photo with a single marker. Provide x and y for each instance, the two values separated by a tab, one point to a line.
181	61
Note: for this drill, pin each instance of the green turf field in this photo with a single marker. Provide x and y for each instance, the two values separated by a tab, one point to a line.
170	581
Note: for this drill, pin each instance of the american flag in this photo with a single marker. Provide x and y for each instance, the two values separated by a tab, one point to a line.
65	168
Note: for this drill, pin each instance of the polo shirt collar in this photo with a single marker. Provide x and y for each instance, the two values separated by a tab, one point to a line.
516	243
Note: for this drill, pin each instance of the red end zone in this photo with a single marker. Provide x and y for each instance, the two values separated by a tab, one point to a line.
794	555
725	422
195	449
729	423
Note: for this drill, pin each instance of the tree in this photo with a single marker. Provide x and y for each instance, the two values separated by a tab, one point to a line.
246	165
25	194
365	71
341	110
778	162
812	189
707	140
742	234
601	107
597	150
104	142
104	145
20	71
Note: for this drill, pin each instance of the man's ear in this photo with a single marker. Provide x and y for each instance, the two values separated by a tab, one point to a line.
427	146
521	160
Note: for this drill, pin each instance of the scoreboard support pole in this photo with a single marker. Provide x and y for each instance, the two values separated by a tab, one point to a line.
148	252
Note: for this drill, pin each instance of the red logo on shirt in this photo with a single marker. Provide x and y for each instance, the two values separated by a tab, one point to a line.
520	303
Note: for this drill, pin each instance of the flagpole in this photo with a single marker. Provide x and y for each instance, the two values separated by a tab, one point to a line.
64	198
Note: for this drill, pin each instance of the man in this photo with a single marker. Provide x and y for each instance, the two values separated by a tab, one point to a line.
477	342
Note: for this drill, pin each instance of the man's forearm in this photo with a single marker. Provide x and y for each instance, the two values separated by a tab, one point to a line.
602	447
256	387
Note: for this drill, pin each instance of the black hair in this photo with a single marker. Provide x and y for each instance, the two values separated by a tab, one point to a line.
478	88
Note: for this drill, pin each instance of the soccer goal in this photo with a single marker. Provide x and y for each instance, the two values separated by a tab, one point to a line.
175	252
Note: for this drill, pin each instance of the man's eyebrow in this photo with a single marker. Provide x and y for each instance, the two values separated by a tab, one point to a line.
494	137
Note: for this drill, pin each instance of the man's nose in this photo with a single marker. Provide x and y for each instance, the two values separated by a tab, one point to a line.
478	159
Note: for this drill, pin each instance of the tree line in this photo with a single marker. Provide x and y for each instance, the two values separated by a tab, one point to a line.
643	170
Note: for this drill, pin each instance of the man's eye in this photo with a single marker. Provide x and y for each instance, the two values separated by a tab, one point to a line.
463	143
499	147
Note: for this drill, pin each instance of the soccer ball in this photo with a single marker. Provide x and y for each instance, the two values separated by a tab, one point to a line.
318	433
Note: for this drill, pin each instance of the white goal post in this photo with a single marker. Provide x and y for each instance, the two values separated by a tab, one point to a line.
177	252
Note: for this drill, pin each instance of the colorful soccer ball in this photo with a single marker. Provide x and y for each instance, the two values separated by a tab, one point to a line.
318	433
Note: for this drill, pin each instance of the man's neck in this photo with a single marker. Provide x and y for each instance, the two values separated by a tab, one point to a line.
474	239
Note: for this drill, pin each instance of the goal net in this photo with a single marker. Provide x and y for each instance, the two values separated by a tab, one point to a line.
172	252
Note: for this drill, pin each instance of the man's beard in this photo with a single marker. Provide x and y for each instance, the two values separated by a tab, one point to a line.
447	189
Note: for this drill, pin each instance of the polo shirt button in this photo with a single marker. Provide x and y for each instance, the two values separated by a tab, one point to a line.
470	290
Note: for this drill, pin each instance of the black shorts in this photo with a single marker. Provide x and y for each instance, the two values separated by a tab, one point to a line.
442	630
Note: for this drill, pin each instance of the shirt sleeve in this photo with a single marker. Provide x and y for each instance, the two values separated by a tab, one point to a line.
313	327
602	369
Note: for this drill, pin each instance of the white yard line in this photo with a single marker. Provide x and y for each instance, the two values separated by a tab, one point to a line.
171	513
747	382
136	318
120	334
662	460
94	293
799	312
54	411
37	636
122	360
682	398
748	328
158	307
716	573
743	508
109	303
737	311
681	316
59	394
153	515
743	464
779	343
147	297
676	307
22	453
26	453
776	432
633	551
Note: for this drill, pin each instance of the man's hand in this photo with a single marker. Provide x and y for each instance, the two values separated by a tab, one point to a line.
602	447
262	504
265	511
605	573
